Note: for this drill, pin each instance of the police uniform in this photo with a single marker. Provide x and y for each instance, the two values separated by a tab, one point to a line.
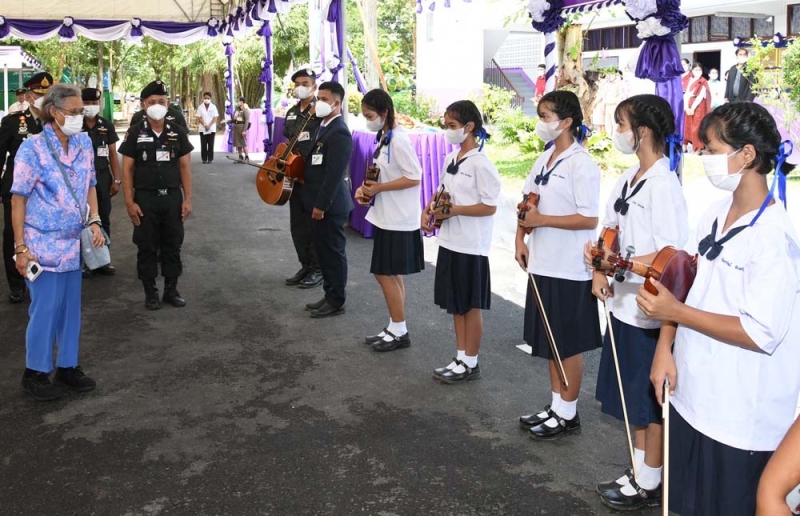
157	190
14	129
174	117
102	135
299	218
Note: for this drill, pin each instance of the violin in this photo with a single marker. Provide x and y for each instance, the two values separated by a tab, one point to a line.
674	268
372	174
442	200
528	200
609	238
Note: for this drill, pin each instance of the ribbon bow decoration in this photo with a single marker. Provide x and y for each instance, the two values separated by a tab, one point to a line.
583	133
714	247
483	136
779	178
675	144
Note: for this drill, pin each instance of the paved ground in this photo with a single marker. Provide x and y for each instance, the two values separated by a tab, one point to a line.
240	404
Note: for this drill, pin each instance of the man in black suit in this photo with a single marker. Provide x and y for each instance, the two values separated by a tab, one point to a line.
326	195
740	82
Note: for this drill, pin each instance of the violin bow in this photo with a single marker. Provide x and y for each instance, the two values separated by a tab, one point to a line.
548	332
665	414
619	382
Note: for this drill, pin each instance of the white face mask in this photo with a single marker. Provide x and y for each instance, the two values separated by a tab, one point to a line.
375	125
547	130
716	168
623	142
73	124
38	103
91	111
456	136
696	74
302	92
206	101
323	109
741	59
157	111
713	77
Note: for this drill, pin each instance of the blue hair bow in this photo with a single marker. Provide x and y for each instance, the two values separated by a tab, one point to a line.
583	133
483	136
675	144
784	151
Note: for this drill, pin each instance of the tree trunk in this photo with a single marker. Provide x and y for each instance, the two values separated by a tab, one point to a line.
100	65
571	76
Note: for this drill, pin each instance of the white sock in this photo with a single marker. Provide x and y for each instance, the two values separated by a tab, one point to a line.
567	409
638	457
458	369
461	355
398	328
648	478
470	361
551	423
556	401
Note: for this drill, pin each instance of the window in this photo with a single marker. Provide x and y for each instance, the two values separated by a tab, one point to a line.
699	28
742	28
763	28
793	21
608	38
720	29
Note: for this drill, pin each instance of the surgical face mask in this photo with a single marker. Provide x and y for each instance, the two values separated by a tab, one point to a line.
456	136
72	124
540	73
302	92
91	111
547	130
741	59
206	101
716	168
685	68
623	142
696	74
713	76
157	111
38	103
375	125
323	109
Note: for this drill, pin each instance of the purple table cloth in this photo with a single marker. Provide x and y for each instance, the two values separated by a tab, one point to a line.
256	133
432	149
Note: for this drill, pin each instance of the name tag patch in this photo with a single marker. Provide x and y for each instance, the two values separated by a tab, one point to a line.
291	117
304	136
145	139
316	159
162	155
102	152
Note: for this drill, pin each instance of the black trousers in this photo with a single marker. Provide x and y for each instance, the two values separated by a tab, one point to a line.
15	282
300	226
159	236
104	181
207	146
330	241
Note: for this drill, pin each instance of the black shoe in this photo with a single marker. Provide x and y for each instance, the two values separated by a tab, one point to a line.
86	273
298	277
401	342
173	298
74	379
151	301
315	306
108	270
204	162
643	498
326	310
312	279
247	159
536	419
564	427
16	297
38	385
372	339
471	373
439	371
602	487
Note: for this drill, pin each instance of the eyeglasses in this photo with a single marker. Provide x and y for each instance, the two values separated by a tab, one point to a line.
74	112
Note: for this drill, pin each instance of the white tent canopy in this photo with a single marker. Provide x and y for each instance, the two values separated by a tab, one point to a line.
184	11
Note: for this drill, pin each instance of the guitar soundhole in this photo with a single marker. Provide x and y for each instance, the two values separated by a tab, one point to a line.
280	166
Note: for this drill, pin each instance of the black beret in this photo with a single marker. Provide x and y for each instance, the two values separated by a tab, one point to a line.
91	94
303	72
20	91
154	88
39	83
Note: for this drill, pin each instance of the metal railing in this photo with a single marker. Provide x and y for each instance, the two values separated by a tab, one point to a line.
495	76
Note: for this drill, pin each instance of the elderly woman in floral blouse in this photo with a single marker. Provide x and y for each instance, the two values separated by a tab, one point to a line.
47	226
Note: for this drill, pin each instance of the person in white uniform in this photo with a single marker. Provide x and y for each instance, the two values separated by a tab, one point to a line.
734	368
397	246
567	183
648	207
462	285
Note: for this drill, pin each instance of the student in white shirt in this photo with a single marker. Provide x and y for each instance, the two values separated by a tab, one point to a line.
21	104
567	182
397	246
207	115
648	207
734	368
462	285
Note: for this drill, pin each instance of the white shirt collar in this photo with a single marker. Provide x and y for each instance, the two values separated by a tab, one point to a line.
326	124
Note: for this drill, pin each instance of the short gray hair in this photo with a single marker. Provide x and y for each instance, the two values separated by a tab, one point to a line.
55	97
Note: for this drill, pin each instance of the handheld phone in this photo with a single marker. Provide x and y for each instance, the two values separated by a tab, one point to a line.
793	500
34	269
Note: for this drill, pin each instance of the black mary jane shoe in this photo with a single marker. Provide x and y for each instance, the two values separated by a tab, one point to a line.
612	485
531	420
369	340
439	371
642	498
564	427
401	342
471	373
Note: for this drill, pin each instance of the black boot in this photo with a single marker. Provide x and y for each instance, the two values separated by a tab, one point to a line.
38	385
73	378
151	301
171	294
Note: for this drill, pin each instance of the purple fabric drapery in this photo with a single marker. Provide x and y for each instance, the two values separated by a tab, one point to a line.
431	149
266	78
660	62
356	72
335	17
257	132
39	27
229	87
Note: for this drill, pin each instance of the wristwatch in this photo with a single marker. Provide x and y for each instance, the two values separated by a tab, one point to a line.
117	182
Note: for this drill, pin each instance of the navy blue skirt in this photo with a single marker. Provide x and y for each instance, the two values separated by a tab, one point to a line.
635	350
397	252
462	282
572	312
708	478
